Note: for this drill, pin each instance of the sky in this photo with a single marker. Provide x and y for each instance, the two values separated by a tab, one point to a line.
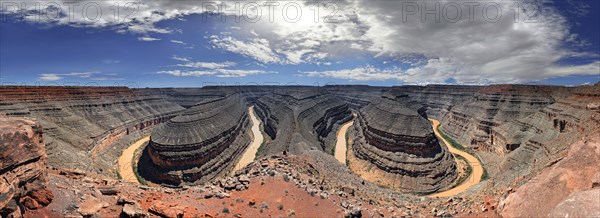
382	42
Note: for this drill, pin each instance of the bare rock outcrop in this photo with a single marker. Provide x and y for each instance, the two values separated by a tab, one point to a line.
198	145
579	204
396	147
22	166
544	192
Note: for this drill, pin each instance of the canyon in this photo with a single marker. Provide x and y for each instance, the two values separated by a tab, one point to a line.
198	144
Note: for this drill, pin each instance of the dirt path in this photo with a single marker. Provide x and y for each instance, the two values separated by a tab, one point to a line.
257	140
476	166
125	164
341	145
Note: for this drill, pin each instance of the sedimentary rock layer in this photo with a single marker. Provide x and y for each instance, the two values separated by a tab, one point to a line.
394	135
438	99
22	163
532	142
198	145
301	118
81	122
471	122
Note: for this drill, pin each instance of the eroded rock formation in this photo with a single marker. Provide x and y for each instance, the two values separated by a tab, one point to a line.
201	143
396	147
22	166
300	119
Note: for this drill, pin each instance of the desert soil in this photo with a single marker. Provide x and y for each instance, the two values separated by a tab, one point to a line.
257	140
126	158
341	145
476	166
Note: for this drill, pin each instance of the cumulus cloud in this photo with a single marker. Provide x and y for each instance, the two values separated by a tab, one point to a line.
479	46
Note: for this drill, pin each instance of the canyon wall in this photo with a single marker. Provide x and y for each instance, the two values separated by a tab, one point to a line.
82	123
470	123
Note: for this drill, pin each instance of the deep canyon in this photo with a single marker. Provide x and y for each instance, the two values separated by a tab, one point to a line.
538	146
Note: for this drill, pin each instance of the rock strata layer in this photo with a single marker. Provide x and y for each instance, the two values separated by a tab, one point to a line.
301	119
22	166
86	127
198	145
398	148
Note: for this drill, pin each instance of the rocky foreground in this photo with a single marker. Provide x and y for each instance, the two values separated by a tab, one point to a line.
268	187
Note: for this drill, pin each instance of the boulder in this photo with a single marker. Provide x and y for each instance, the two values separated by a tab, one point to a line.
91	206
133	210
167	210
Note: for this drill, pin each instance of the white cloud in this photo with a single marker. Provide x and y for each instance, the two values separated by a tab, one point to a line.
148	39
81	75
256	48
196	73
208	65
49	77
178	42
178	58
104	78
367	73
218	69
239	73
187	62
111	61
226	73
588	69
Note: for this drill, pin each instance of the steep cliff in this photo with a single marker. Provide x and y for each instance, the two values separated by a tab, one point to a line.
22	166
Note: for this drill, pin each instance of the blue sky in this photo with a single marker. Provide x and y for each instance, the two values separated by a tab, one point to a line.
170	45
